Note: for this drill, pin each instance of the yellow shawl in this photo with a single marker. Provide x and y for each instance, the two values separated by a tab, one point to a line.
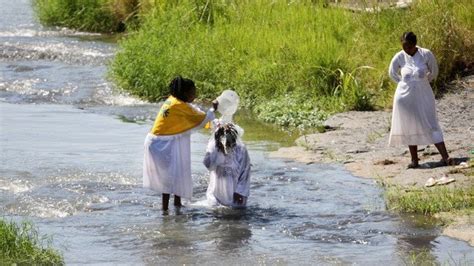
176	116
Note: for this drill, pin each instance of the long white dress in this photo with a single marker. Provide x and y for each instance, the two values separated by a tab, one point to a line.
414	119
167	162
229	174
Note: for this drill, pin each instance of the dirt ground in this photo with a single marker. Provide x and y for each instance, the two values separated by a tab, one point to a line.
359	140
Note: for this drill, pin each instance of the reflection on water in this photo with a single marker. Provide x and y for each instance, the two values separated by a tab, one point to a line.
416	246
276	137
70	161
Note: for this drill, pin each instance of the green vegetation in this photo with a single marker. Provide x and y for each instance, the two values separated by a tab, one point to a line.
421	256
424	257
292	62
89	15
429	200
21	244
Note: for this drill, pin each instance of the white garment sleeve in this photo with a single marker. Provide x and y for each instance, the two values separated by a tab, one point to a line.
213	157
394	68
432	66
210	115
243	182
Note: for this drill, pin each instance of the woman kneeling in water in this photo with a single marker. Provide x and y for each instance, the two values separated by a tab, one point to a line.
229	163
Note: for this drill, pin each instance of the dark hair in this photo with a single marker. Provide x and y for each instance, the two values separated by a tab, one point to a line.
408	37
230	133
180	88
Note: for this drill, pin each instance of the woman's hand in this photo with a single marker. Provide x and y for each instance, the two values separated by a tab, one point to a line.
420	73
215	103
239	199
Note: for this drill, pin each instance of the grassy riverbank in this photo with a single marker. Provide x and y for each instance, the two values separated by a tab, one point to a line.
433	200
430	200
21	244
292	62
90	15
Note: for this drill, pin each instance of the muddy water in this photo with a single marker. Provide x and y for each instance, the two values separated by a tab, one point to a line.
71	155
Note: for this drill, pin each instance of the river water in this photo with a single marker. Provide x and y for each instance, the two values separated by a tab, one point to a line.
71	158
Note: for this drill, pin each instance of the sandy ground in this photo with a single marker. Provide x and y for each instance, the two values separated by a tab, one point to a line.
359	141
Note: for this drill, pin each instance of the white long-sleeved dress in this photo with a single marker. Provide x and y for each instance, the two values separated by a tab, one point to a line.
414	119
167	161
229	174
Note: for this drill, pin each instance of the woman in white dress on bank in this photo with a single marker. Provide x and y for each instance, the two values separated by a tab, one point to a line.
414	119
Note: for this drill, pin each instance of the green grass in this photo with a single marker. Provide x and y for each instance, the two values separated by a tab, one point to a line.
292	62
425	257
420	257
21	244
89	15
429	200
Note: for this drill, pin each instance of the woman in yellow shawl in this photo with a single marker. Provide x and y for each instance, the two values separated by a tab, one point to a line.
167	158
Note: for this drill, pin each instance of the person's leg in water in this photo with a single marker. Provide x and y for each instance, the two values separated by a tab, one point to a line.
444	153
177	201
414	156
165	199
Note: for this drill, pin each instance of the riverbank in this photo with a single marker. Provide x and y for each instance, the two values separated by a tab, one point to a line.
359	141
291	63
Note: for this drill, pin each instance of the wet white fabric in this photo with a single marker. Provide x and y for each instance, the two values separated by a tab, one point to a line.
414	119
167	162
229	174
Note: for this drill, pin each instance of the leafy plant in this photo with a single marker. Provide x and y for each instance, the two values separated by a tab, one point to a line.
21	244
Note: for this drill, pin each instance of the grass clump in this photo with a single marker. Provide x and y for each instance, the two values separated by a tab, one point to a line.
283	112
429	200
89	15
291	62
21	244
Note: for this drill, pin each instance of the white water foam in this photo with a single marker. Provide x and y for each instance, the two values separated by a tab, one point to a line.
109	95
67	52
58	32
26	89
51	207
14	186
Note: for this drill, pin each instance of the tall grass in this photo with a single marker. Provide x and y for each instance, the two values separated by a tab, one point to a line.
21	244
291	61
429	200
89	15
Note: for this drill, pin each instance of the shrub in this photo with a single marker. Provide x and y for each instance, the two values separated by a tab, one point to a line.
21	244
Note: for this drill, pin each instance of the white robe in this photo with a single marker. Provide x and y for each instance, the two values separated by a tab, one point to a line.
229	174
167	162
414	119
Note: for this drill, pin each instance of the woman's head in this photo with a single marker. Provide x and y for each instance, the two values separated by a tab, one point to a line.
408	41
226	137
183	89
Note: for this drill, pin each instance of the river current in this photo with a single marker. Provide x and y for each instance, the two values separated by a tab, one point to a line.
71	149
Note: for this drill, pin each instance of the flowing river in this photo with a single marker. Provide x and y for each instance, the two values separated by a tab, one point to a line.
71	150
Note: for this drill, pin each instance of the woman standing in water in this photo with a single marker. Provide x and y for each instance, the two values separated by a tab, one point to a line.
414	119
167	158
